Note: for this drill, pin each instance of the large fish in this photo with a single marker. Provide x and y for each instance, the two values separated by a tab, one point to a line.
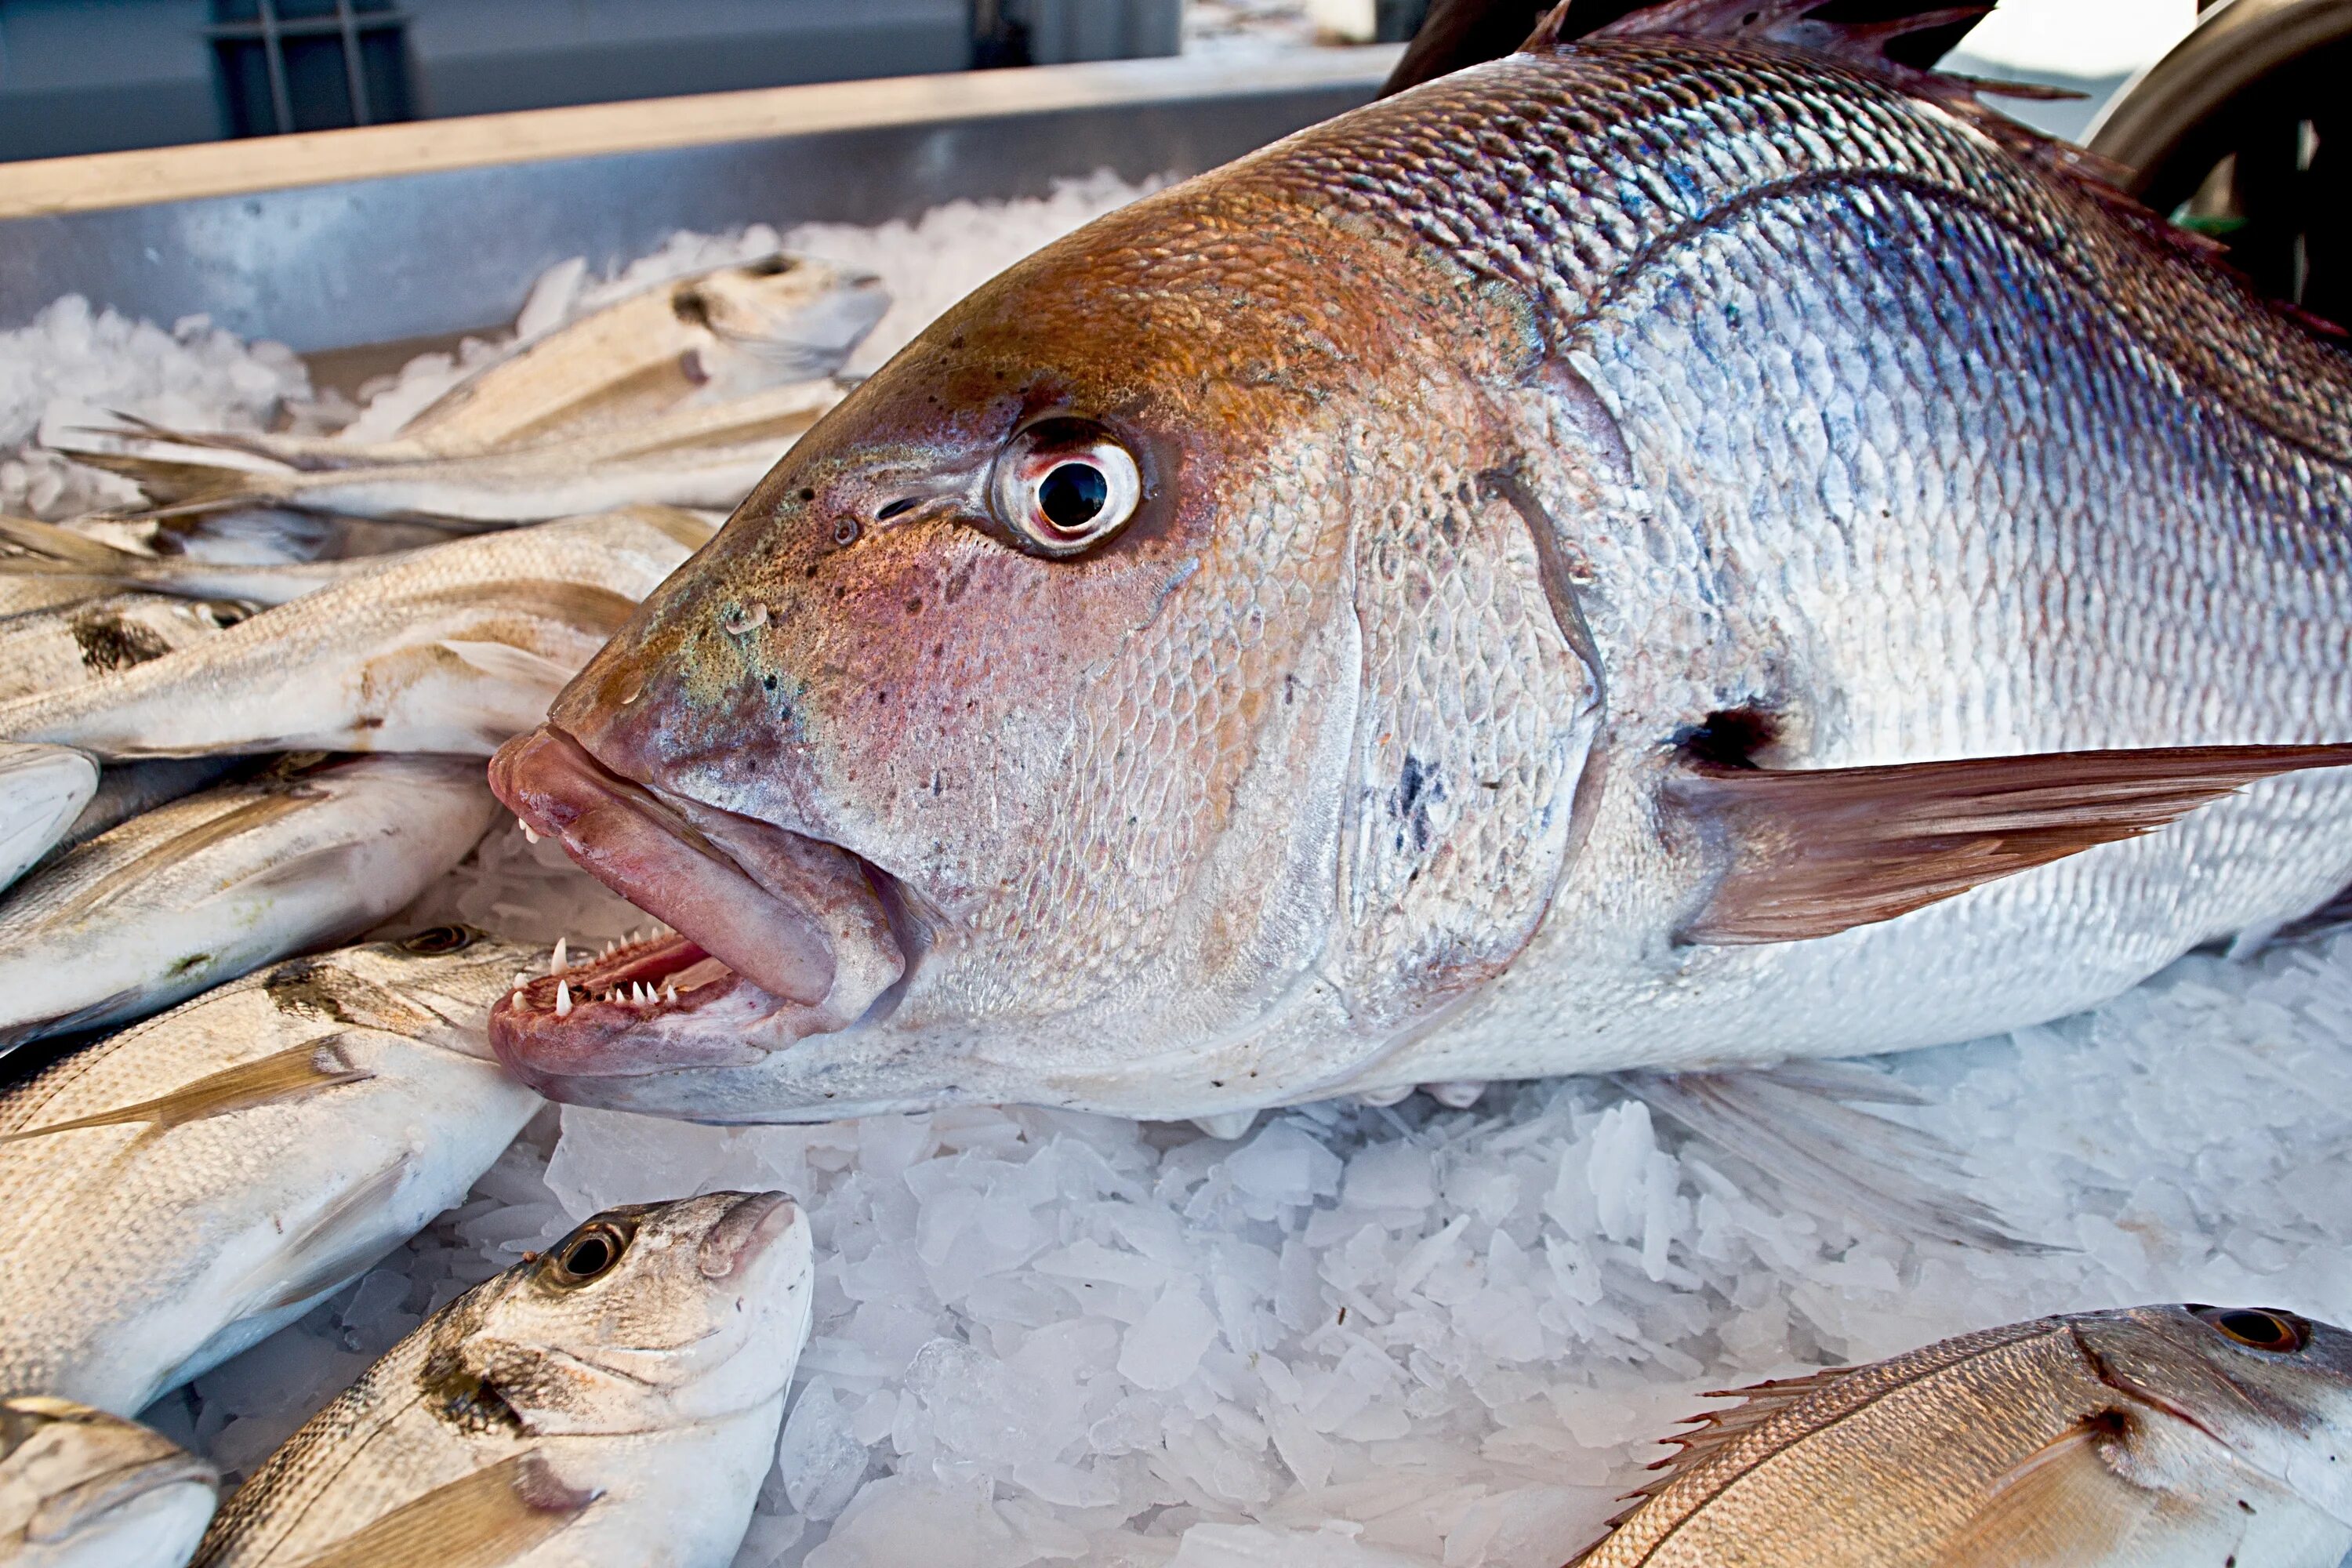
217	883
183	1189
1692	545
615	1401
2149	1437
451	649
80	1489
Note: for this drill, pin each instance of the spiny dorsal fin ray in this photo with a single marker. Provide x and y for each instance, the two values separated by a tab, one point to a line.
295	1074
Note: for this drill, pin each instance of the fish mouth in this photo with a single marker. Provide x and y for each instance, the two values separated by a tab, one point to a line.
774	936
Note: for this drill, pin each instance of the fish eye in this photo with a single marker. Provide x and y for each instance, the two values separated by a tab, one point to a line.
2281	1333
1065	485
586	1255
438	940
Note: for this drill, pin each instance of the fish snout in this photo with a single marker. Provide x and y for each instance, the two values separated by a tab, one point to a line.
744	1235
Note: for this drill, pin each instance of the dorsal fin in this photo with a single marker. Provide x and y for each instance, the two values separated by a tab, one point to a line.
1713	1431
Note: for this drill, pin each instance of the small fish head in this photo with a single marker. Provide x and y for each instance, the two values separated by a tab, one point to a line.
781	318
2275	1386
78	1484
1051	627
648	1315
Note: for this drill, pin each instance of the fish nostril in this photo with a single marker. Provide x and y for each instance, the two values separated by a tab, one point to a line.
845	531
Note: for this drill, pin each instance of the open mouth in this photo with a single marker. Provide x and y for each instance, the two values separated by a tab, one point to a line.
776	936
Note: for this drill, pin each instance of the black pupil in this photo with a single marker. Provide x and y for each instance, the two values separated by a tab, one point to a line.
589	1255
2258	1328
1072	494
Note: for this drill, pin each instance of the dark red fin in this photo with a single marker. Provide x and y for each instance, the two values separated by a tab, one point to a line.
1459	34
1817	852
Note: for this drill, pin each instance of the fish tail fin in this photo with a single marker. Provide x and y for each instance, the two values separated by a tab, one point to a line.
1806	1125
183	486
51	549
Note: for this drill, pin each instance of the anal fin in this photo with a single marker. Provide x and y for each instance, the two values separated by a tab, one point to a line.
1813	852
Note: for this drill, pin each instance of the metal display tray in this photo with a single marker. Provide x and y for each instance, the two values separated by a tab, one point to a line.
331	240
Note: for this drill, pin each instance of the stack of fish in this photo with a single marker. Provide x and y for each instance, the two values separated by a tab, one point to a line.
214	763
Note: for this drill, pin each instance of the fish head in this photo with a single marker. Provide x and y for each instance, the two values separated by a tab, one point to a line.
648	1315
435	984
79	1485
2273	1385
781	318
1140	695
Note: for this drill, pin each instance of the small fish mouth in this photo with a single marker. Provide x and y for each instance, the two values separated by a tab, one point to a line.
776	936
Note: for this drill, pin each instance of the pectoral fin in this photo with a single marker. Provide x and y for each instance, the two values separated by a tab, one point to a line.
1815	852
481	1520
265	1081
2064	1507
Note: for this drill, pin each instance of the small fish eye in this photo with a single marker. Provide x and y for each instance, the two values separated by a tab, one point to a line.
2283	1333
438	939
586	1255
845	531
1065	485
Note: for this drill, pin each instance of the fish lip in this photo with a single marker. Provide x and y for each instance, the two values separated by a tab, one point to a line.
645	843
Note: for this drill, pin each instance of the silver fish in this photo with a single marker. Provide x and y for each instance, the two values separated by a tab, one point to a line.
213	885
692	456
1688	547
82	1488
2148	1437
58	649
43	791
615	1401
126	790
451	649
184	1188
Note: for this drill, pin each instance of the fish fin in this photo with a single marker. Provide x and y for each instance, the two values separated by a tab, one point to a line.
1715	1431
1814	852
105	1010
2064	1504
52	549
179	487
1464	811
1458	34
490	1517
338	1246
1801	1125
43	792
503	661
294	1074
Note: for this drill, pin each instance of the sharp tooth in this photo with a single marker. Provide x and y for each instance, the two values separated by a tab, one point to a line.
637	993
560	963
527	835
672	992
521	980
564	999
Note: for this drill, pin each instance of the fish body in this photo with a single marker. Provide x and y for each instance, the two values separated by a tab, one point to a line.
1686	547
43	792
619	1413
82	1488
58	649
450	648
698	455
2149	1437
217	883
189	1185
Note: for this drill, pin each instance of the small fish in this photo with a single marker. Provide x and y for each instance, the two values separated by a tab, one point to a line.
189	1185
71	645
1695	545
43	791
126	790
2147	1437
698	456
46	550
82	1488
451	649
213	885
615	1401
